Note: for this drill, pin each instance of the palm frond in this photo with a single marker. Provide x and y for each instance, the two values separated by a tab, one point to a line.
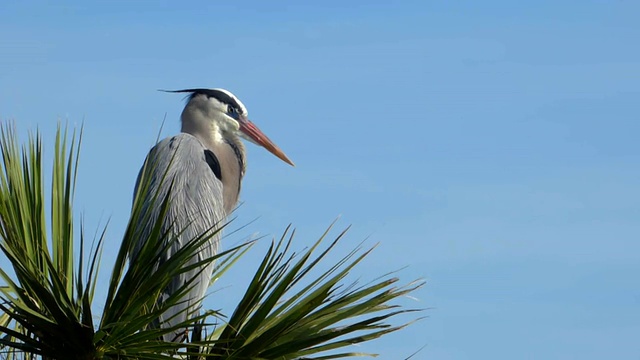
275	321
297	305
48	318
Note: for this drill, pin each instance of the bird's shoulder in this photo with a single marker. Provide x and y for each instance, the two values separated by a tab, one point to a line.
184	156
182	143
187	149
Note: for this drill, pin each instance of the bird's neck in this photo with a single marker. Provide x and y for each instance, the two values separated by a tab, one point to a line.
229	151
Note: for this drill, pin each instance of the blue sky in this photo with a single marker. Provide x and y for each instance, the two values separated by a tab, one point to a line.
491	147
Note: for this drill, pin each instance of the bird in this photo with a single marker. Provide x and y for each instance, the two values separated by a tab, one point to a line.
204	166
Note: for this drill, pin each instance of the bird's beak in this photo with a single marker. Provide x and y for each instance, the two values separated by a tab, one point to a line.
253	133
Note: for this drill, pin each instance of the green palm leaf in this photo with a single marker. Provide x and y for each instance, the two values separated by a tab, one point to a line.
295	307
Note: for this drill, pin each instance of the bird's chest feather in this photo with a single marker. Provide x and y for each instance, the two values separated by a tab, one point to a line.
225	160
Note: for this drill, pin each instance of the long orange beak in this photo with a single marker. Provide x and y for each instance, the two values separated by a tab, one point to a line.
252	131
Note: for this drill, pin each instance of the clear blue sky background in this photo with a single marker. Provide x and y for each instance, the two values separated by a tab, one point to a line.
490	146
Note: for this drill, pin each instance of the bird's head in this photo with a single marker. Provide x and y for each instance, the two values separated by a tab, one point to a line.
224	110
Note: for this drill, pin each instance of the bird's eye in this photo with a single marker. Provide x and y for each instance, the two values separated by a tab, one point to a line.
231	110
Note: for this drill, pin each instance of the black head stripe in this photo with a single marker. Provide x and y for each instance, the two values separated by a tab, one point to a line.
219	95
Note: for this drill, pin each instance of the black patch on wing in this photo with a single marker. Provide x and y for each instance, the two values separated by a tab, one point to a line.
213	163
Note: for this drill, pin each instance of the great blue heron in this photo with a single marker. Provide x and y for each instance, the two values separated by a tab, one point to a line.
204	164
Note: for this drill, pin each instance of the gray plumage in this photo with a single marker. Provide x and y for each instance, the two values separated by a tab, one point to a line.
206	163
193	208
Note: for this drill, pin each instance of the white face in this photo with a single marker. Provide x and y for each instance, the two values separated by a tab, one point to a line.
216	112
223	113
229	115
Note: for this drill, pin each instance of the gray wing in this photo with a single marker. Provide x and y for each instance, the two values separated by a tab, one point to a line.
195	206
